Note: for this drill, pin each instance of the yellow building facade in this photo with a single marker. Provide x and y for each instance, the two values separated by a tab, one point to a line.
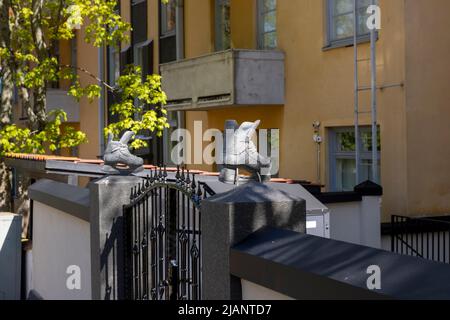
413	99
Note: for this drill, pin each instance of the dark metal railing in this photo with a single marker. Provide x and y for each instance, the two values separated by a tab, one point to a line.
421	237
162	230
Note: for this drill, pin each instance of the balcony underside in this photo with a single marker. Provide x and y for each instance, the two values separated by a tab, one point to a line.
230	78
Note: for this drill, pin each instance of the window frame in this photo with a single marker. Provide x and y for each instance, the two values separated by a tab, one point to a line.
334	155
331	43
260	24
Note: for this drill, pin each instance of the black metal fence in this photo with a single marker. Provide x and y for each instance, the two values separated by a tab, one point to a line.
421	237
163	238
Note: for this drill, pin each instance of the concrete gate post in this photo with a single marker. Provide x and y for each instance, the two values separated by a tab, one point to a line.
108	196
229	218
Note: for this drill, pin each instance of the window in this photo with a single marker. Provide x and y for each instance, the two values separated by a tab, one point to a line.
342	157
73	52
168	32
139	21
223	27
168	18
143	57
114	69
113	65
340	21
267	24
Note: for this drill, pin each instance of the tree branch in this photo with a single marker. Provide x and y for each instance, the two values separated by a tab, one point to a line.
106	85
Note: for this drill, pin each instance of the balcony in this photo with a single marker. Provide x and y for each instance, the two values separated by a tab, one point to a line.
230	78
58	99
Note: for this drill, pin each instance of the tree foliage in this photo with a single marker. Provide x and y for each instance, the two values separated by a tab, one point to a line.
29	33
140	104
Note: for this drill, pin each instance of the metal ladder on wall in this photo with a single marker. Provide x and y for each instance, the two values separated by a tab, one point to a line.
373	89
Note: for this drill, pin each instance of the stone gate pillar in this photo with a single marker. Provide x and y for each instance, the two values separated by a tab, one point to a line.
108	196
229	218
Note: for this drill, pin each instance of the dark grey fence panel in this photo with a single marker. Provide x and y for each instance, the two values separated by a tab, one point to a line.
421	237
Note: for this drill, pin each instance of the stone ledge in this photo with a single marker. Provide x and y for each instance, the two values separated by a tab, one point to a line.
70	199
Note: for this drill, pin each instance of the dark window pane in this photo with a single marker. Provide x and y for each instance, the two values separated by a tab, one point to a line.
147	59
139	21
126	58
168	49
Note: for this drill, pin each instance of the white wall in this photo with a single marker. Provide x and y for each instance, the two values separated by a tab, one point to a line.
60	240
253	291
10	256
386	242
357	222
344	221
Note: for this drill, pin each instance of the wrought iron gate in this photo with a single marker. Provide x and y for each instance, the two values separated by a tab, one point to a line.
162	238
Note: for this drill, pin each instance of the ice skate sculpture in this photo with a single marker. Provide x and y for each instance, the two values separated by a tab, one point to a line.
240	153
118	159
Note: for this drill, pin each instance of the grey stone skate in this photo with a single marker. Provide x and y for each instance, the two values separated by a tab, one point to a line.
241	152
118	159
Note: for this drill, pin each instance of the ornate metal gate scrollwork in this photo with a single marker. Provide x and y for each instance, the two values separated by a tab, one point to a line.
163	238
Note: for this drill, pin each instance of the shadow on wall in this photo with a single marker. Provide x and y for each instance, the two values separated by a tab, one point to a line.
112	255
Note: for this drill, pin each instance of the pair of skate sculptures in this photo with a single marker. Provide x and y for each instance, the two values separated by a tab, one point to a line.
239	153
